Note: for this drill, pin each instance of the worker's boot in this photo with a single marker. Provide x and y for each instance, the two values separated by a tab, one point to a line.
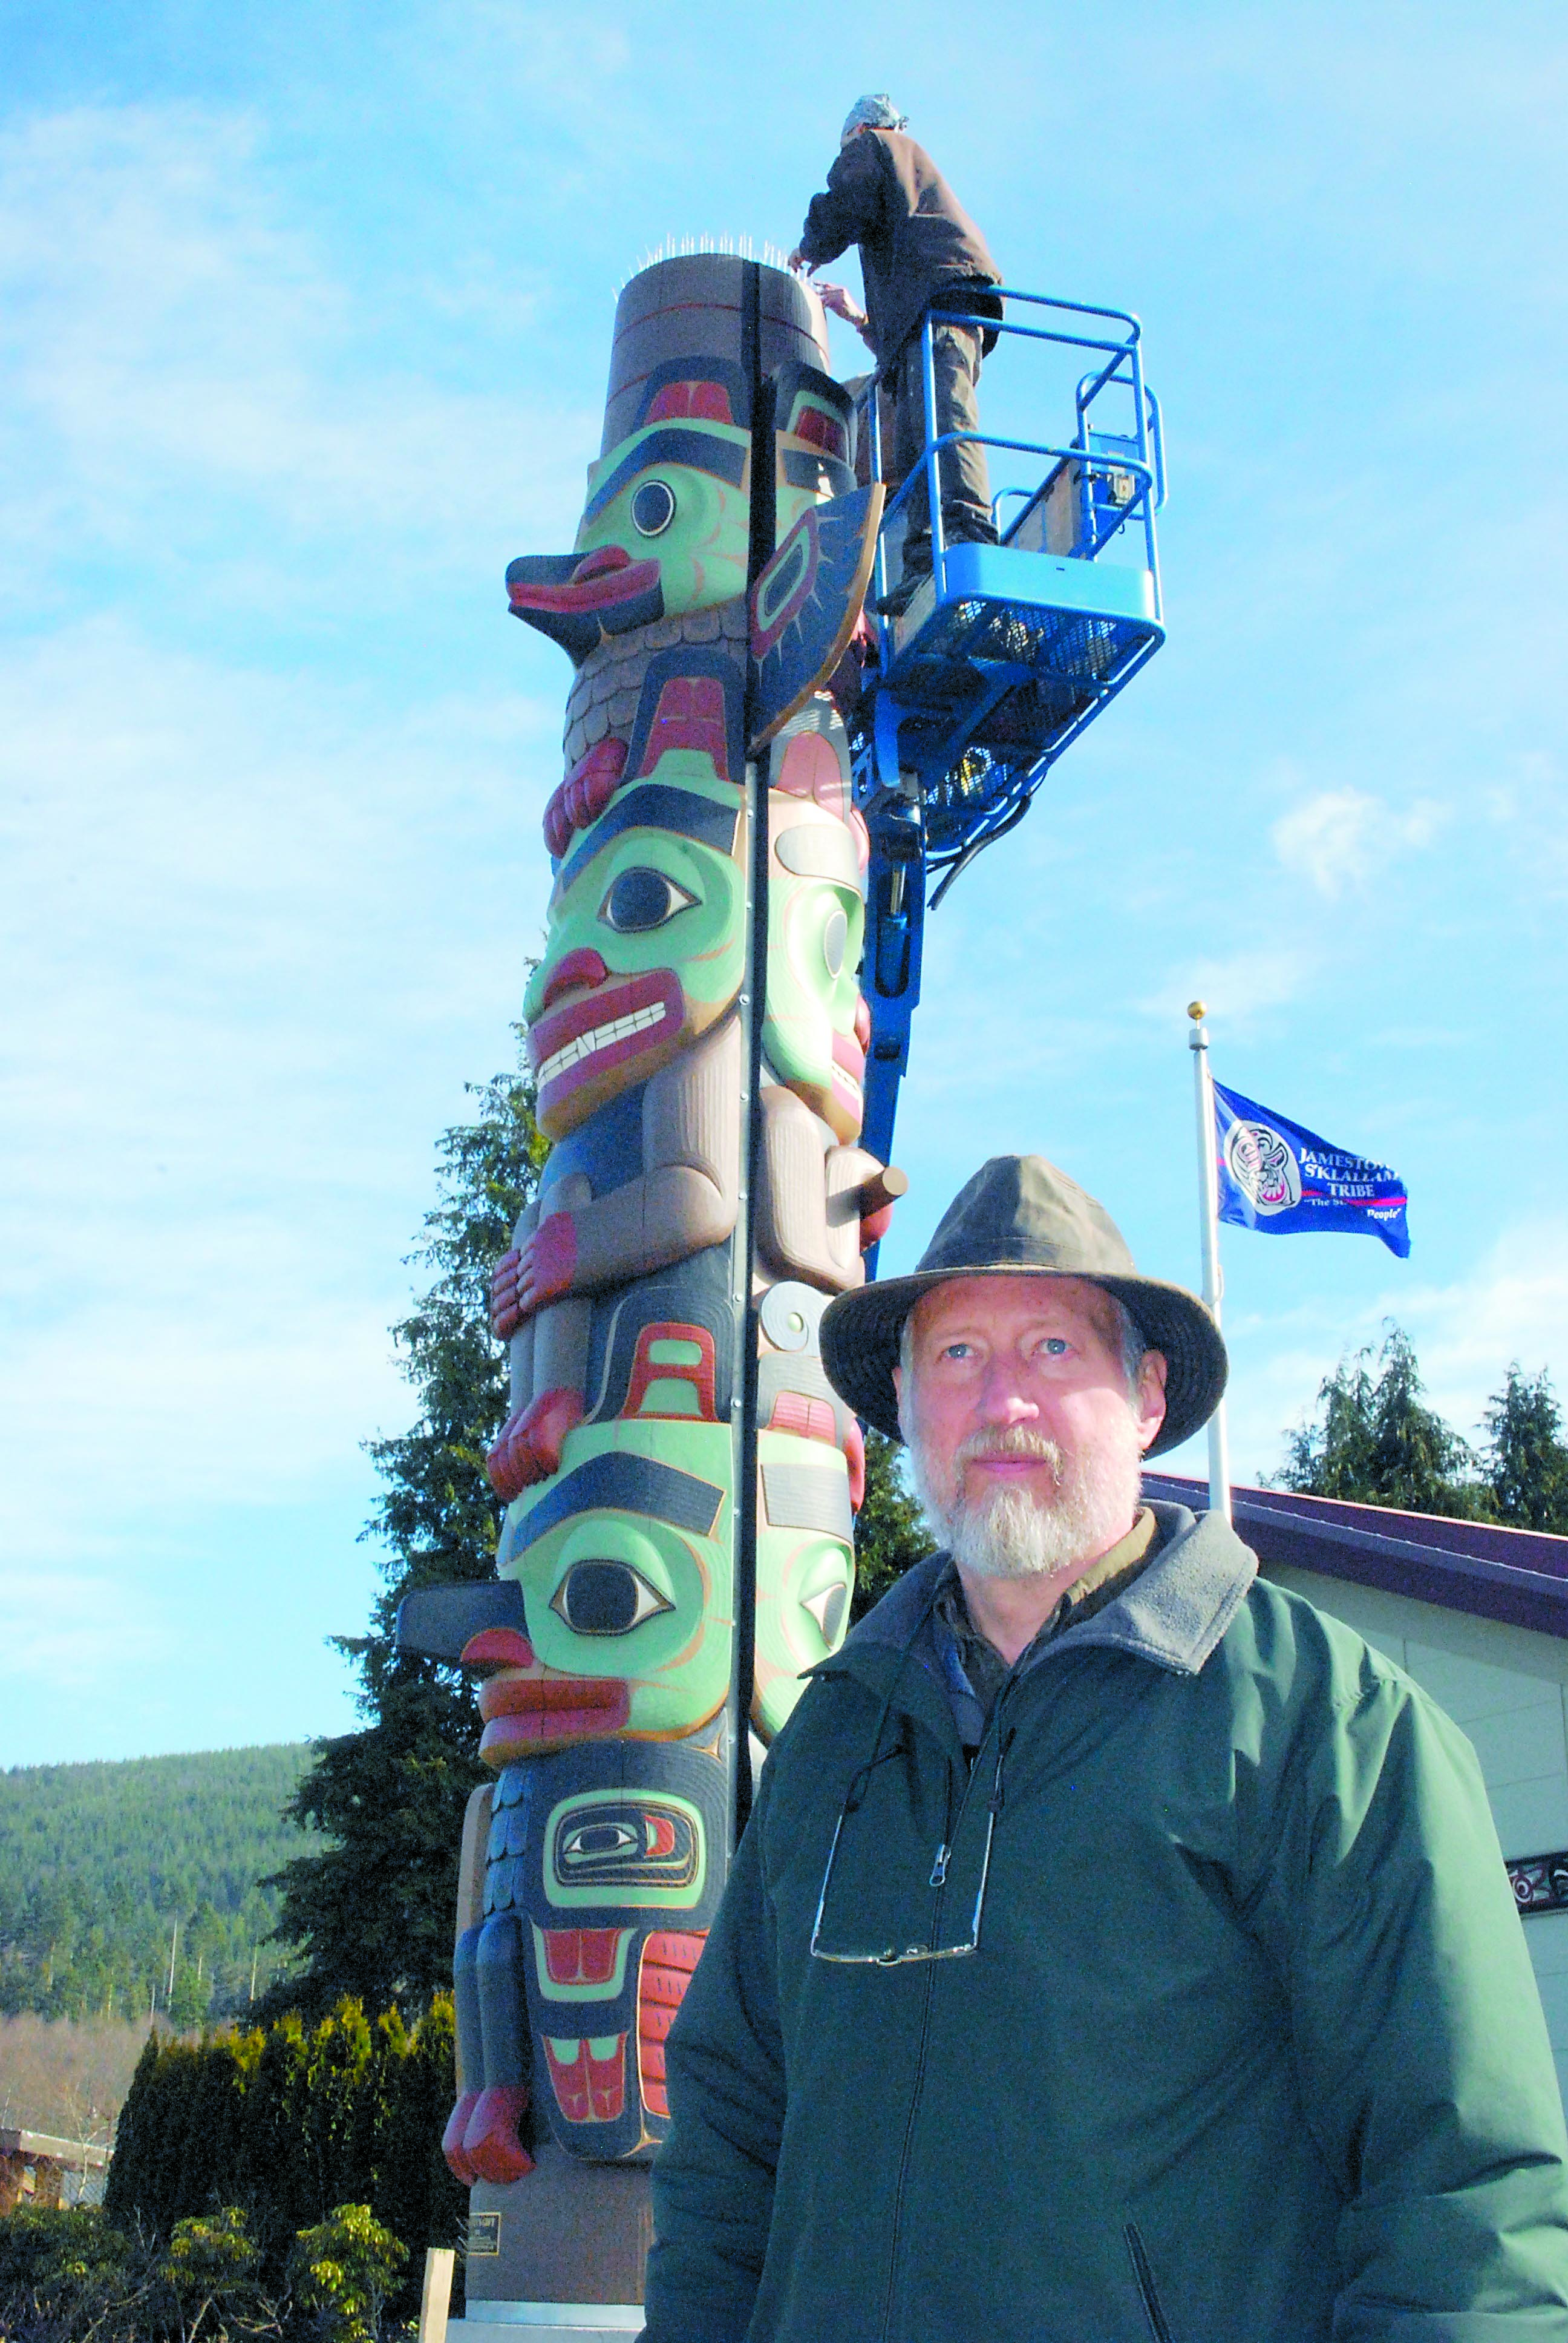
917	570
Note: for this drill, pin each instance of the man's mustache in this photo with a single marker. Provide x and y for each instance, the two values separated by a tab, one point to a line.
1009	1440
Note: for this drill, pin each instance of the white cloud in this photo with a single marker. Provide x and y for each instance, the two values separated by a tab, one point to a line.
1341	838
259	932
179	353
1523	805
259	925
1239	986
1513	1305
68	1626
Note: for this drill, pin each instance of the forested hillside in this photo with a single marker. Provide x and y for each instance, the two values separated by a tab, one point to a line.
110	1874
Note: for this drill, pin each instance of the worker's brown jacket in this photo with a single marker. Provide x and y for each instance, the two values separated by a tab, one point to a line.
917	241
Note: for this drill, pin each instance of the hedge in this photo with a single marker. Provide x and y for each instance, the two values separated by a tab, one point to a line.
290	2122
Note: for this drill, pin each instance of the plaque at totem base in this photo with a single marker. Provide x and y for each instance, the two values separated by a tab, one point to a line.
681	1477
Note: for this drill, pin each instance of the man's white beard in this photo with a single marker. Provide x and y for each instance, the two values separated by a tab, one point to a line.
1011	1532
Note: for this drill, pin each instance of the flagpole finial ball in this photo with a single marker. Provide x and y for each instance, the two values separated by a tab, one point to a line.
1197	1011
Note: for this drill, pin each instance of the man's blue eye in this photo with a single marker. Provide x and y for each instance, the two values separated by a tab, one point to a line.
1056	1346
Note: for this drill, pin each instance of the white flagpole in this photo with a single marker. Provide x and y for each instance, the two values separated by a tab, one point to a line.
1208	1209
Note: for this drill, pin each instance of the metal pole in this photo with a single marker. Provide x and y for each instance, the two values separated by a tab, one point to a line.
753	1007
932	460
1209	1212
874	422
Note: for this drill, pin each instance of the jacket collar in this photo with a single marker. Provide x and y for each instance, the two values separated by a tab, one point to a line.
1179	1606
1174	1615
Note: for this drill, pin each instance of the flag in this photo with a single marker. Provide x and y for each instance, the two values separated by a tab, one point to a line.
1279	1178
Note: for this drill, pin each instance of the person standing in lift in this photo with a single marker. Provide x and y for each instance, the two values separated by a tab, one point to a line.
920	252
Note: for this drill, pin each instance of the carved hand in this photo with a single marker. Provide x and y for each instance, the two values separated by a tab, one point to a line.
546	1263
505	1314
525	1279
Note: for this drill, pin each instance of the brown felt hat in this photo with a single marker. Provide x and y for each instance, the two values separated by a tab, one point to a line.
1021	1217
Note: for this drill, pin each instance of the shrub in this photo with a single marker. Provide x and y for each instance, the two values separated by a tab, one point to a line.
71	2245
67	2276
210	2266
342	2271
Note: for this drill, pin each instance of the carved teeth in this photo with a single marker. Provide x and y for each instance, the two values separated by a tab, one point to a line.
601	1036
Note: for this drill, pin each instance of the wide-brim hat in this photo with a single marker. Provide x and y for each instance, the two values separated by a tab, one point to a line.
1021	1217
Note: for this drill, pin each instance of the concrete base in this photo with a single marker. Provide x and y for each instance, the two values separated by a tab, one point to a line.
569	2233
550	2322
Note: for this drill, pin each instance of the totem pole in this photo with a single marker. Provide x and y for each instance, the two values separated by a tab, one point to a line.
681	1477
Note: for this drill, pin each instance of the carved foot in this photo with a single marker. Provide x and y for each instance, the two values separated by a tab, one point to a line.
529	1446
490	2143
510	1464
547	1424
457	2123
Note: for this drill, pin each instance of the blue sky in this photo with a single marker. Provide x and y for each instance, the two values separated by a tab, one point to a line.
304	324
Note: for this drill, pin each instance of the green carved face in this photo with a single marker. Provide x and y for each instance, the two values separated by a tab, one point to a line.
645	943
678	495
624	1560
805	1575
816	929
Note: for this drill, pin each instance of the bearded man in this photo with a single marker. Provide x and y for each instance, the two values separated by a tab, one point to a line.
1119	1947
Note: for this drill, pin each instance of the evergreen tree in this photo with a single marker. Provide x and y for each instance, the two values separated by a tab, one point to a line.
1377	1442
287	2124
889	1530
372	1913
1525	1461
100	1862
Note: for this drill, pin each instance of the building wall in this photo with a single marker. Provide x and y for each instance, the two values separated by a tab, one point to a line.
1508	1688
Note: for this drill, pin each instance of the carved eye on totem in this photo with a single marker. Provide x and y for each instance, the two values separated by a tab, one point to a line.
643	898
653	508
627	1843
594	1842
834	940
606	1598
828	1609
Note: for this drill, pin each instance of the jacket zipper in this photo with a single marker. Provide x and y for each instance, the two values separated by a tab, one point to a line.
904	2152
939	1881
1159	2328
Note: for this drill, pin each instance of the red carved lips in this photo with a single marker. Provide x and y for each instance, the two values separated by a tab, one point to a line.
528	1711
534	1712
848	1057
613	1022
603	578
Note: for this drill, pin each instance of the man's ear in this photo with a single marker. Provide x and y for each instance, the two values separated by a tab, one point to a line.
1149	1407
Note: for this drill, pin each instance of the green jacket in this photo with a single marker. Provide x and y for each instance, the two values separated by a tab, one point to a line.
1251	2046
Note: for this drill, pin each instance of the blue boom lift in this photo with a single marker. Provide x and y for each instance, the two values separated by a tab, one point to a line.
1004	655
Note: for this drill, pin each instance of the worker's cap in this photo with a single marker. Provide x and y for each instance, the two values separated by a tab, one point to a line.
877	112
